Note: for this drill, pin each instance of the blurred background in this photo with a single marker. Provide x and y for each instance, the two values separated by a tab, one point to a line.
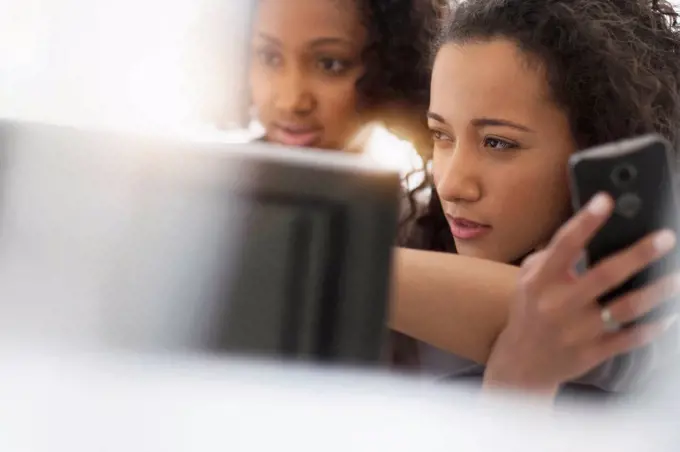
173	68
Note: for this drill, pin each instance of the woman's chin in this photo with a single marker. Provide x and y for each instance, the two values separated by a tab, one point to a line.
316	145
464	248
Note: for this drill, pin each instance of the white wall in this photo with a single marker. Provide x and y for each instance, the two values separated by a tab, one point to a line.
152	62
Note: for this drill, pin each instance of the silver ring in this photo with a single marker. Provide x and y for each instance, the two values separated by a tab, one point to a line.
609	322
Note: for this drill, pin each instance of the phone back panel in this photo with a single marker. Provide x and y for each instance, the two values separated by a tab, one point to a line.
637	173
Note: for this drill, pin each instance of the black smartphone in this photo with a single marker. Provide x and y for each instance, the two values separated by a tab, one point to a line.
638	173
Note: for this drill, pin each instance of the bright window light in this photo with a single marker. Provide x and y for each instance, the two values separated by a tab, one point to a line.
391	152
139	64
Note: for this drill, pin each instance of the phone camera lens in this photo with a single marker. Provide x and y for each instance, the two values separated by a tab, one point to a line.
628	205
624	174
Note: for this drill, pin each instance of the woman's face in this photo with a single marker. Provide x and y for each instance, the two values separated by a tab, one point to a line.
305	62
501	150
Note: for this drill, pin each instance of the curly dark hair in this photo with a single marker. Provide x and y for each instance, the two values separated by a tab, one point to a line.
395	87
612	65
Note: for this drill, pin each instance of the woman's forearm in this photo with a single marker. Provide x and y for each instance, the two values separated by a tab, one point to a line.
460	304
456	303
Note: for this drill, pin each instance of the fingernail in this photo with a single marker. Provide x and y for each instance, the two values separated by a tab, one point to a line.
664	241
599	205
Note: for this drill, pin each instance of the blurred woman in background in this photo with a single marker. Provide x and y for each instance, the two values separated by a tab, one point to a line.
322	69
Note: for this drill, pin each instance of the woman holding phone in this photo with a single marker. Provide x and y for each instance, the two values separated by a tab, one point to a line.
323	68
517	87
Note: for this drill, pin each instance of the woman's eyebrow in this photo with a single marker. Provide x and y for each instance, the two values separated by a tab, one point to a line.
270	39
437	117
330	41
486	122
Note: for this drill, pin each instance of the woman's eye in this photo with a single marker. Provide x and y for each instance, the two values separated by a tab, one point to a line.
440	136
497	143
332	66
269	58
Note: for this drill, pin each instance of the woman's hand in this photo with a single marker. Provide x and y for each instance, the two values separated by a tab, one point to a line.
557	331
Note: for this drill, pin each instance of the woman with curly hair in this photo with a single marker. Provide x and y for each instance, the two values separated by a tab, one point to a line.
322	69
517	87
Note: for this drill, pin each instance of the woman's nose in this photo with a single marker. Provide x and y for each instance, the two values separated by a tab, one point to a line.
459	178
293	94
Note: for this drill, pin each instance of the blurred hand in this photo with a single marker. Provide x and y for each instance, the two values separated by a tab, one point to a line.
556	331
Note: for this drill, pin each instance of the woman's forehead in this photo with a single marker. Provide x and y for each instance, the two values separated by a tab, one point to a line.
489	77
310	19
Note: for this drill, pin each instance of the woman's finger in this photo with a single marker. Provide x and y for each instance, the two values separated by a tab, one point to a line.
615	270
571	239
626	340
627	308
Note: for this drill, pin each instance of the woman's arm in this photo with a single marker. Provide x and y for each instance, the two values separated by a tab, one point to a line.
461	304
455	303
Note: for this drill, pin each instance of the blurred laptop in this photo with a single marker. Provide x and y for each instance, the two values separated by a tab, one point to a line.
168	245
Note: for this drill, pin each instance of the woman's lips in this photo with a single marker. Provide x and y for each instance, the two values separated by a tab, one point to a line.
465	229
295	136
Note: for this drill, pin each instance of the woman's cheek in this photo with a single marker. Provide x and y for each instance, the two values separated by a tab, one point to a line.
438	166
